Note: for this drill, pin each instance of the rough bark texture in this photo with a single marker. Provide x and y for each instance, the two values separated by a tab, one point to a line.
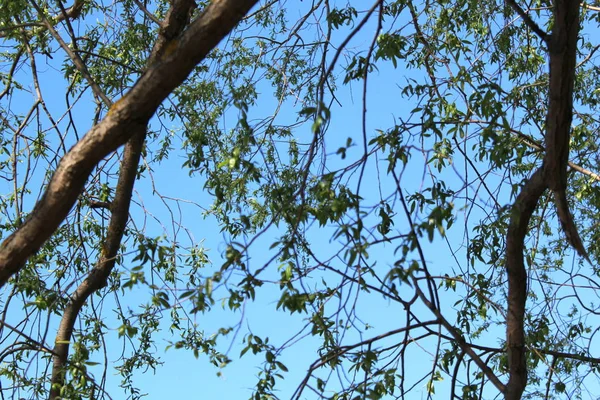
127	116
562	45
517	283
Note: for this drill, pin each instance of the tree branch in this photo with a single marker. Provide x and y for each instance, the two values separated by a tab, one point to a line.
98	276
521	214
125	117
562	46
146	12
459	339
528	21
563	57
593	8
70	13
176	20
77	61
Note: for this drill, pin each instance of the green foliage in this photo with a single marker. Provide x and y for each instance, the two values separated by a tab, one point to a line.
352	171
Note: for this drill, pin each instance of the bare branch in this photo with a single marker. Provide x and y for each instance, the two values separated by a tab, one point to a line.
151	16
593	8
77	61
460	340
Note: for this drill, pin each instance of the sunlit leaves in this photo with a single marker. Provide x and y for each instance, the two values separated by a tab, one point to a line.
345	16
391	47
323	204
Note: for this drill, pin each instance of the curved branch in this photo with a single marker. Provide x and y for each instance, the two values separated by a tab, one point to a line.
521	214
131	113
98	276
563	57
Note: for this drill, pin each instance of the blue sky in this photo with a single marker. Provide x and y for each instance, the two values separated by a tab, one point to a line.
182	375
385	104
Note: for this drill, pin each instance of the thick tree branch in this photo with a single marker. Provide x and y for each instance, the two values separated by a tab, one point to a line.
99	274
517	283
562	46
131	113
175	22
563	57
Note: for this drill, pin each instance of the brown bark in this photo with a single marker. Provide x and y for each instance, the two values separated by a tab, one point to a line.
174	23
98	276
562	45
517	283
128	115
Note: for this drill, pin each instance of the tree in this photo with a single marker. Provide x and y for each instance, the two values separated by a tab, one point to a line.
488	161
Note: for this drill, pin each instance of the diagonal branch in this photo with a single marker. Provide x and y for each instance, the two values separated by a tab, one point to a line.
459	339
131	113
77	61
147	13
528	21
176	20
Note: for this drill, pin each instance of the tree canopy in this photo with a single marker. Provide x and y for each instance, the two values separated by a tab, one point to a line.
367	200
